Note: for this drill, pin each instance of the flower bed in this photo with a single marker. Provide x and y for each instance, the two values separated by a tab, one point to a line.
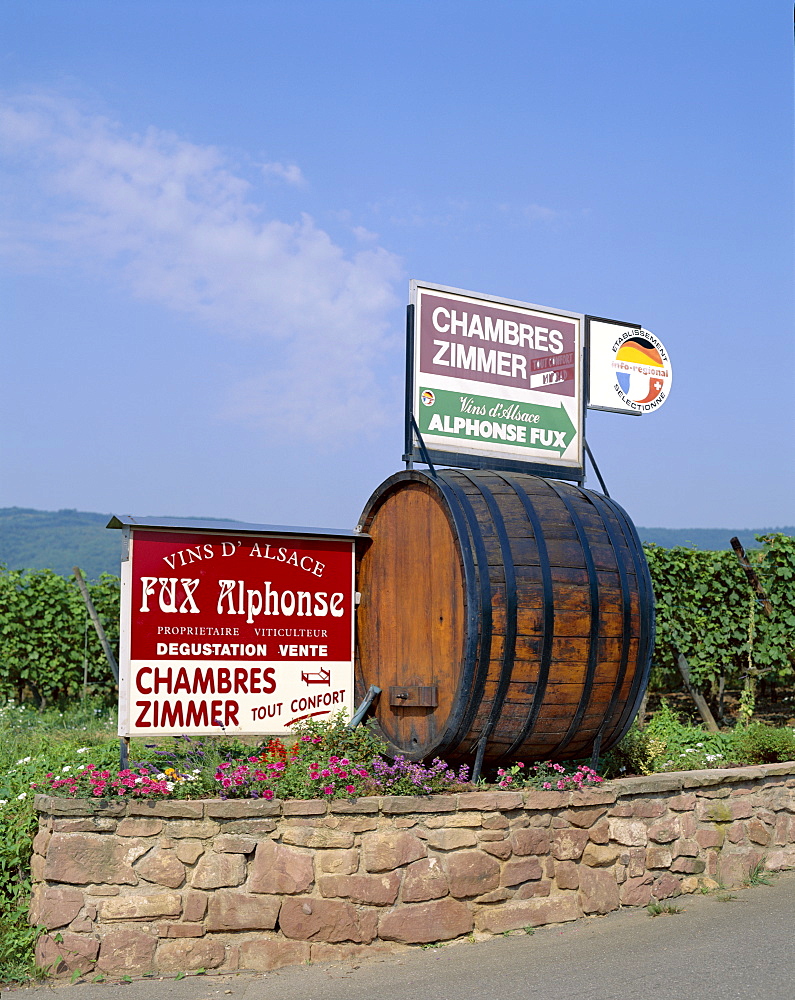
130	886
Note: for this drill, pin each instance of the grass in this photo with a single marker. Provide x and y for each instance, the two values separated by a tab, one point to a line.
759	875
662	909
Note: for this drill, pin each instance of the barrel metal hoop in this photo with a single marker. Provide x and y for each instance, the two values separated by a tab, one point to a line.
646	640
548	614
482	630
596	500
593	649
511	604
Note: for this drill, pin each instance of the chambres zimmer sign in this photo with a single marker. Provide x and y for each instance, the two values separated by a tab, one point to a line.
243	630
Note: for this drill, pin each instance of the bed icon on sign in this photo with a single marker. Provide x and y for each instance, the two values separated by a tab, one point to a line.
320	677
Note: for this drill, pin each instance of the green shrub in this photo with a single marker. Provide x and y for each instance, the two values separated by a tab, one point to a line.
761	744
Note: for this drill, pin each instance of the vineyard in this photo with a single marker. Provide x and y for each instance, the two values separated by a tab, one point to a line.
734	641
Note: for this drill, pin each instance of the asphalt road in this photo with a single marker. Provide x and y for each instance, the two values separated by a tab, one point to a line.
715	949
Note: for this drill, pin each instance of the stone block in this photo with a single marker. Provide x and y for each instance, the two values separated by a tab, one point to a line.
495	821
528	913
780	860
472	820
665	831
180	930
40	842
252	827
304	807
422	923
714	811
375	890
127	951
326	920
280	870
568	845
741	808
584	818
316	837
471	873
264	955
689	866
542	801
423	880
141	907
403	805
666	886
80	858
495	896
530	840
132	826
53	907
649	808
226	843
498	848
567	875
195	905
734	866
757	832
658	857
91	824
520	870
631	832
356	824
598	891
650	784
232	910
601	795
600	855
243	809
215	871
709	837
622	809
64	953
342	862
484	801
201	829
451	840
167	808
686	848
637	891
600	832
383	852
189	851
366	804
736	833
682	803
533	889
188	954
490	836
162	868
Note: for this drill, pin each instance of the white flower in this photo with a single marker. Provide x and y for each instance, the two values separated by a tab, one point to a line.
3	802
83	750
25	760
81	767
21	796
699	744
160	777
67	767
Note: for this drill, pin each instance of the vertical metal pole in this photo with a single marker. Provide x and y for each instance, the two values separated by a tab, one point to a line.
124	753
85	659
408	442
589	453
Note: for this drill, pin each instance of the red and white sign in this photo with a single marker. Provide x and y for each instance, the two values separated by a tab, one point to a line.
234	633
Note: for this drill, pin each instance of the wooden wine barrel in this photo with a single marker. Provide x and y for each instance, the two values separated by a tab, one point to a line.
504	616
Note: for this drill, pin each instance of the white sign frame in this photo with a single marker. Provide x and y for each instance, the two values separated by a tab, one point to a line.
560	357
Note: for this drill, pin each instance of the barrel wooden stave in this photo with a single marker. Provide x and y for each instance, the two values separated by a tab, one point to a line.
501	571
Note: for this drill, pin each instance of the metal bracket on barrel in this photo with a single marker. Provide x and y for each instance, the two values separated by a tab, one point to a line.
358	716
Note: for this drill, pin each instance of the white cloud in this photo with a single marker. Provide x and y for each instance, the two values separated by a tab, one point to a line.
289	172
184	231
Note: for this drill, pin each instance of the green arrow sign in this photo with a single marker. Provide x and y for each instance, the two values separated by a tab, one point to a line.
492	420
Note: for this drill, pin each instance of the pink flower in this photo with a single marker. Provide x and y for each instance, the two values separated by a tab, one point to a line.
547	785
350	789
267	794
328	789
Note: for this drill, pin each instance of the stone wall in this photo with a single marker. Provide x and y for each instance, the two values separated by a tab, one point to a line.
169	886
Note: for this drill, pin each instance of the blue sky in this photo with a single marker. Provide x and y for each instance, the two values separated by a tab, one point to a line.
210	212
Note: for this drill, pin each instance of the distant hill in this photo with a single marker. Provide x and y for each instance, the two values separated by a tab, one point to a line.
708	538
59	540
